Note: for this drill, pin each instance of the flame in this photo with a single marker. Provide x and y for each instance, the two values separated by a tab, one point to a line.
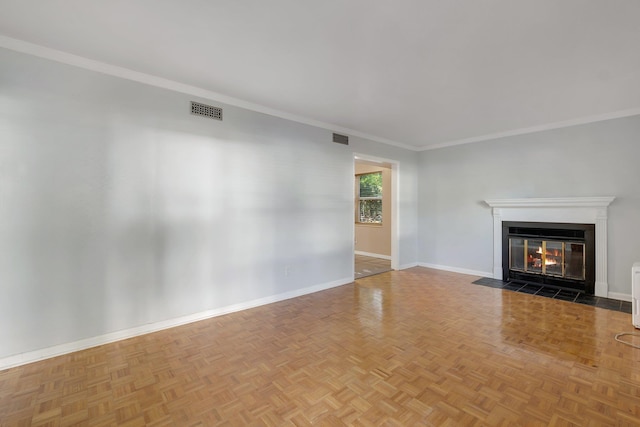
547	260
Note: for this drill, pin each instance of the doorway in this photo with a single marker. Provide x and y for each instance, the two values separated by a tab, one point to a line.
375	215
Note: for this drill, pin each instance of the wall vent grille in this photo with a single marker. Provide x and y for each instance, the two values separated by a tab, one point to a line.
206	110
341	139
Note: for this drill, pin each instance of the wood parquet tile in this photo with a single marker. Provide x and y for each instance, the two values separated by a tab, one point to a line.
417	347
365	266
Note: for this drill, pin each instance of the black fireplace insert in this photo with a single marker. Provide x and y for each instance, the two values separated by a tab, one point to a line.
560	255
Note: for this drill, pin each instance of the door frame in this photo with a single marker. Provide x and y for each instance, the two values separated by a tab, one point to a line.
395	206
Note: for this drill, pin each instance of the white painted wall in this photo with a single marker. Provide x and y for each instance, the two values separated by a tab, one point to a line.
597	159
118	208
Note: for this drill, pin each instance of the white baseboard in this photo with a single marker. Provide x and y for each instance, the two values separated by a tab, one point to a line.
456	269
58	350
619	296
405	266
612	295
372	255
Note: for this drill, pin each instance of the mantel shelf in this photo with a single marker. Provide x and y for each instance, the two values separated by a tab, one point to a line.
559	202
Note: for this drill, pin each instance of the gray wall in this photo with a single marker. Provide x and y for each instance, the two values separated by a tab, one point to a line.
119	209
598	159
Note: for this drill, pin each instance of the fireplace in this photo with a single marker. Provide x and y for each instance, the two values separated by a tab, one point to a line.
559	255
564	210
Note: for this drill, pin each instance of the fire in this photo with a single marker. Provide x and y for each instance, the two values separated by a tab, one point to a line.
547	260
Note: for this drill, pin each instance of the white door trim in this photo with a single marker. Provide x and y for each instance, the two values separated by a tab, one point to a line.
395	208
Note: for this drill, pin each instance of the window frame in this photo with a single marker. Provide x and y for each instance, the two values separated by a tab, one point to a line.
360	199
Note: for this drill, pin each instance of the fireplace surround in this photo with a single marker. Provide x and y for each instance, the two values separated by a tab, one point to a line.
570	210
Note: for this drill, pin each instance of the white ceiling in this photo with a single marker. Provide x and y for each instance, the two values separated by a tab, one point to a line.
418	73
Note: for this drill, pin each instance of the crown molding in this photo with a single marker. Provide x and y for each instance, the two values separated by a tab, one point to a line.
540	128
151	80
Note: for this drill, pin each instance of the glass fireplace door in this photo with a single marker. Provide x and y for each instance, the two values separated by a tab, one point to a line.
547	257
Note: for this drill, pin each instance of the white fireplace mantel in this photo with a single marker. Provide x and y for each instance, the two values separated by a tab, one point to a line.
581	210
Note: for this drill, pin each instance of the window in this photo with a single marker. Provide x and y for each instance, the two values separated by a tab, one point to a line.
369	200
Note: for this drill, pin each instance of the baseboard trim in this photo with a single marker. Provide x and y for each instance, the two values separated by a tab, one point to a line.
372	255
619	296
405	266
612	295
456	269
61	349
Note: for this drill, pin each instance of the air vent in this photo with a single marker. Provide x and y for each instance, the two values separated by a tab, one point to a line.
341	139
206	110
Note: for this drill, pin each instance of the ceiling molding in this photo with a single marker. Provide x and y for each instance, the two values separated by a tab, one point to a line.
152	80
148	79
540	128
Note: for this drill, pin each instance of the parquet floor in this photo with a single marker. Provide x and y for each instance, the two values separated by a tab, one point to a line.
416	347
365	266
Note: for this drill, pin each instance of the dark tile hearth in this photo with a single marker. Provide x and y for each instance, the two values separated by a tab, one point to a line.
561	294
548	292
566	295
530	289
513	286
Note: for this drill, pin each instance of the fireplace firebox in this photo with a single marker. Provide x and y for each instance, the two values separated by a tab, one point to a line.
559	255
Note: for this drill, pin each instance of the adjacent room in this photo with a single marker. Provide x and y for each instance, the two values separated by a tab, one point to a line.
374	219
335	213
